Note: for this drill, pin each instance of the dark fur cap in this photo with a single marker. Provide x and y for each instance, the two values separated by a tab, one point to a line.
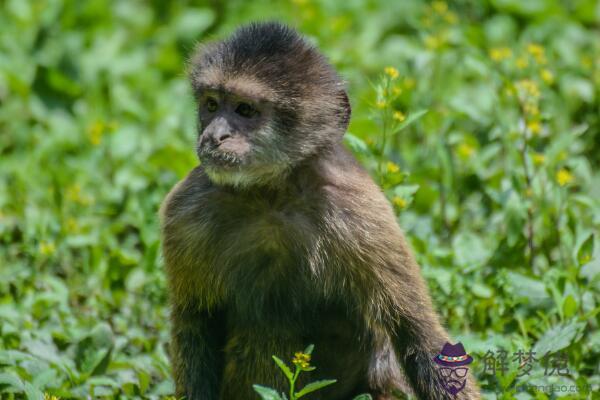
277	63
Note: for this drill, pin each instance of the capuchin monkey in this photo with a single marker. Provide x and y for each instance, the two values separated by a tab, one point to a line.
280	239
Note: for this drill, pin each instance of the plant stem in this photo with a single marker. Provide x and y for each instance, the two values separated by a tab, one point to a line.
529	191
384	128
293	383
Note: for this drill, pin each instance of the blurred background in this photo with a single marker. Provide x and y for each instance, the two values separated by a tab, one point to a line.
479	119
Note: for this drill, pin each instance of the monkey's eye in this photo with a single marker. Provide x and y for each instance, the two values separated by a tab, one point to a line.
246	110
211	104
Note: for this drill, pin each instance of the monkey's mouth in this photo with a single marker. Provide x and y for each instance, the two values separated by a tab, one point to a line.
219	158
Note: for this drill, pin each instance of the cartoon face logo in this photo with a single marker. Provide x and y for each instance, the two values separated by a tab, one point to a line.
451	367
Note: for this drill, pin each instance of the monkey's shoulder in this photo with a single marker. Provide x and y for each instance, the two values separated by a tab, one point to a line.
185	196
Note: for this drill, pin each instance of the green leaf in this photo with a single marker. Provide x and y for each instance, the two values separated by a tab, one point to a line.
94	351
481	290
412	118
356	144
311	387
32	392
11	379
309	349
282	366
558	338
569	306
586	251
470	251
267	393
365	396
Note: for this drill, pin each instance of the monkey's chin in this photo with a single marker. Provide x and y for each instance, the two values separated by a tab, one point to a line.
245	177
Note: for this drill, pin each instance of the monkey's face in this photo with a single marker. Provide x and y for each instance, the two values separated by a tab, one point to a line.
237	142
267	102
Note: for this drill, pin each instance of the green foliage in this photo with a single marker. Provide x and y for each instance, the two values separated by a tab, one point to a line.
480	120
301	362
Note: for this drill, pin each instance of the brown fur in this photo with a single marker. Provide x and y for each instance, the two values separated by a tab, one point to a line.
313	255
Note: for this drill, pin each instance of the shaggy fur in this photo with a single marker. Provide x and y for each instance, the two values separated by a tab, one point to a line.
277	261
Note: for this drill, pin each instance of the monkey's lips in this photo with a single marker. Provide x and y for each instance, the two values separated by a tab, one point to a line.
220	158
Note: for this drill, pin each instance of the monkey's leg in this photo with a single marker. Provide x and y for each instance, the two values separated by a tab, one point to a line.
196	342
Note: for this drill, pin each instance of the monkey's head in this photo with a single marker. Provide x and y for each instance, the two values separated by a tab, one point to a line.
267	100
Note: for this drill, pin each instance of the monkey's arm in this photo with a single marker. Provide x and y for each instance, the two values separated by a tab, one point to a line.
195	352
198	324
388	288
401	306
404	309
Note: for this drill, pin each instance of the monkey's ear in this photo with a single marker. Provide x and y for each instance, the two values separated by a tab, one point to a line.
346	110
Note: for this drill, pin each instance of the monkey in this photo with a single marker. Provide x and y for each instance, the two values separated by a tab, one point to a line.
279	238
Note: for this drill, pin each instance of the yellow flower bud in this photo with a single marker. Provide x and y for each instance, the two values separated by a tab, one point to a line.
535	127
547	76
522	63
465	150
391	72
538	158
439	7
47	248
392	167
564	177
399	116
399	202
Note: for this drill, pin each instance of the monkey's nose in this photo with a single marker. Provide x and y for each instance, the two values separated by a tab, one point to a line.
221	137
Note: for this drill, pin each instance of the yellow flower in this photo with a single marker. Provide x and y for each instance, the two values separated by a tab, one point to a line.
538	158
381	104
301	359
433	42
564	177
391	72
49	397
531	109
500	53
465	150
392	167
529	87
547	76
451	18
75	195
522	63
537	52
439	7
535	127
396	90
535	49
399	116
95	132
47	248
399	202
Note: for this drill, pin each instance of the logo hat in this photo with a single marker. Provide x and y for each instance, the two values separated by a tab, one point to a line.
453	355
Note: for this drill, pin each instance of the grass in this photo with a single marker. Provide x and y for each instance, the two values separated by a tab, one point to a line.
480	120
